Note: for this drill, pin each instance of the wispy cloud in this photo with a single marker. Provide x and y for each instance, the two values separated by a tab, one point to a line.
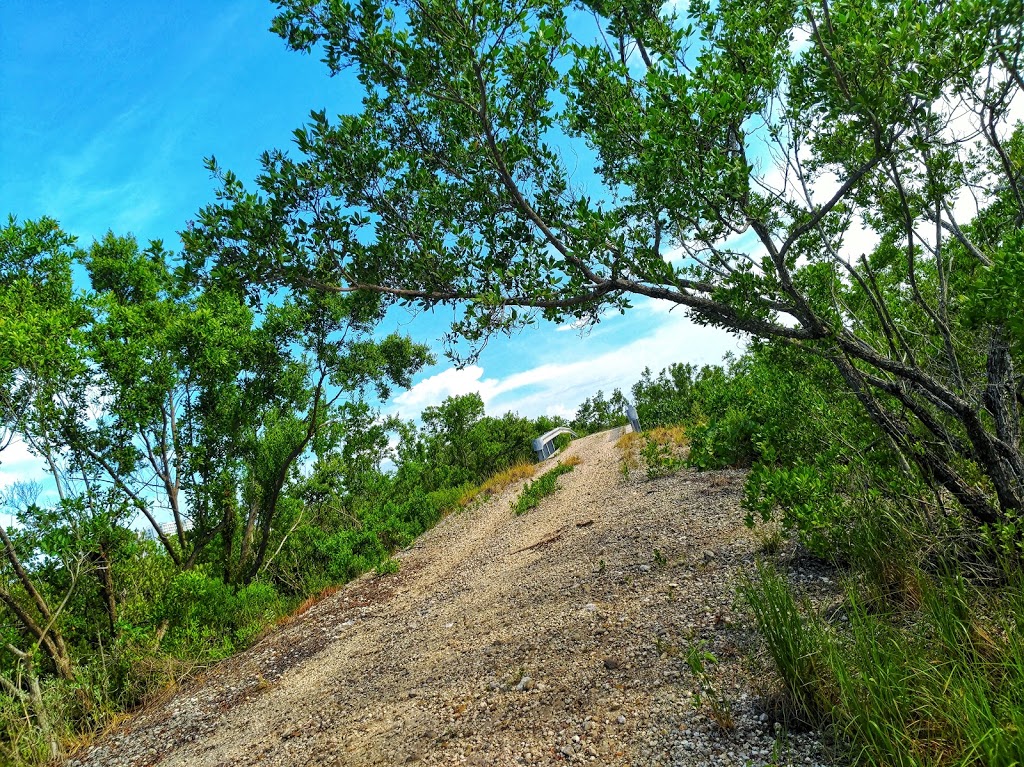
559	387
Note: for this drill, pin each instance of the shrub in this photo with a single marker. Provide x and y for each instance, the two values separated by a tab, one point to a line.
199	612
725	442
809	499
207	619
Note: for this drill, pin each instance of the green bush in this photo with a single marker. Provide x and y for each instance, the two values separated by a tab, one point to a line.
208	619
256	606
722	443
810	500
199	612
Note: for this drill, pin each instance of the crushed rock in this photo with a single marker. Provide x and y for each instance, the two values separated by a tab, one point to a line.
553	637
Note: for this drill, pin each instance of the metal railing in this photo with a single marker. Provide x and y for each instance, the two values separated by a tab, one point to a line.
544	445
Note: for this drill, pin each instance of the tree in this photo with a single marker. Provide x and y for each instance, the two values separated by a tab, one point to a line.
740	150
596	412
213	393
44	383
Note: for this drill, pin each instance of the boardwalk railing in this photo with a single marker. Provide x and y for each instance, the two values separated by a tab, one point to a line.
544	445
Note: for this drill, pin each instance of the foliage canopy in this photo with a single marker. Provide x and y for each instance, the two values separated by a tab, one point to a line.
846	177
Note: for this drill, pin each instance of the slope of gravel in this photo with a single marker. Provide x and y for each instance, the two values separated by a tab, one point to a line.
556	636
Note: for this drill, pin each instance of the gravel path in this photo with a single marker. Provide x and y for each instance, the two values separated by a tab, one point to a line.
556	636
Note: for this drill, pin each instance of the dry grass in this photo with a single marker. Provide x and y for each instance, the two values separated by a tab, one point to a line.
77	742
306	605
572	460
671	440
629	445
499	482
629	441
668	435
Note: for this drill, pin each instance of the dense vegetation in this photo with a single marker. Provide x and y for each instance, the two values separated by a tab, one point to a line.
922	660
213	461
843	181
845	178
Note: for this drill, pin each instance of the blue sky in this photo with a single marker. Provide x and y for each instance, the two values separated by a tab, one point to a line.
106	113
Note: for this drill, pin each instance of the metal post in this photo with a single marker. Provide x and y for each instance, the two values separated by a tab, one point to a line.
634	421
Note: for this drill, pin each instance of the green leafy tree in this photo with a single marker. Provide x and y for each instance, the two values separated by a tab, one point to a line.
738	148
597	412
216	393
460	444
666	399
45	383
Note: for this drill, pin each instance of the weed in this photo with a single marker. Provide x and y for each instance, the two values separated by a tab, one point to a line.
601	566
664	647
780	750
663	450
668	435
698	658
307	604
940	690
628	441
769	540
388	566
659	559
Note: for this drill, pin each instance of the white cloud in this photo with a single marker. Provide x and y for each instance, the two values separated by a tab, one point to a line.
17	464
452	382
560	411
557	388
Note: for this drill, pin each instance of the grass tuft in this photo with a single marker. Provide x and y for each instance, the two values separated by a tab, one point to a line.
544	486
662	451
792	641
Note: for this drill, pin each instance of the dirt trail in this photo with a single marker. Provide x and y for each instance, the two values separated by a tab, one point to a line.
502	640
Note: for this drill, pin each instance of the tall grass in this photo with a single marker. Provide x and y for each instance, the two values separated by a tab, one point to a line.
936	682
793	641
498	483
